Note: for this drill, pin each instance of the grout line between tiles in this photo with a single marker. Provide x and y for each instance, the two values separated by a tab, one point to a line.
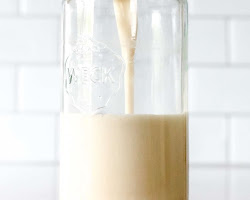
20	15
18	7
57	139
228	42
228	137
41	113
192	166
202	65
228	127
191	114
219	166
30	64
57	134
30	163
16	89
59	47
191	65
228	184
218	16
218	114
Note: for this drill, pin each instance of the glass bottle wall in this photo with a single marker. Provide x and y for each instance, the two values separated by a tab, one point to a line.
124	111
95	66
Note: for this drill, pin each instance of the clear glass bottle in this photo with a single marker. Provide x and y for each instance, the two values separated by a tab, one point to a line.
124	110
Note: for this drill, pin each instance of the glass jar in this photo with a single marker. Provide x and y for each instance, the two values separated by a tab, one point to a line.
124	110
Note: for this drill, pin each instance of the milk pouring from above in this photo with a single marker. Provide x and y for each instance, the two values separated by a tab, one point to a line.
124	110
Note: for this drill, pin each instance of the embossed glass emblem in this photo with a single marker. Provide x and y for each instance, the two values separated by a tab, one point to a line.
93	75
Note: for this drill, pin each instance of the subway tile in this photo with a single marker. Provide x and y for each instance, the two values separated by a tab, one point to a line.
207	184
27	137
239	184
7	88
57	147
8	7
219	89
206	40
27	183
222	7
40	6
207	139
240	41
28	40
39	88
240	140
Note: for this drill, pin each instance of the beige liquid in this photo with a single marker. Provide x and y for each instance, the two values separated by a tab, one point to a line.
127	157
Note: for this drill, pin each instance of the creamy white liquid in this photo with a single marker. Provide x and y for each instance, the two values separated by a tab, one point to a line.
126	20
127	157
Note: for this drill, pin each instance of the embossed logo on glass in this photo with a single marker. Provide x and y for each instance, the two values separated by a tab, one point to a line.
93	75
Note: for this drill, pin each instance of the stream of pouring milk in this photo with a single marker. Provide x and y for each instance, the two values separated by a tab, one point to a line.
126	19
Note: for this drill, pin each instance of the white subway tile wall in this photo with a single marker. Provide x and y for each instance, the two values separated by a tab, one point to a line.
39	7
8	7
240	31
220	89
28	182
208	184
25	40
219	57
27	137
224	7
7	86
204	148
38	88
239	184
207	41
240	140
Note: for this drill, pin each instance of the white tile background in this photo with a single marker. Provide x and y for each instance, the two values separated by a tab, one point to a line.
219	55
